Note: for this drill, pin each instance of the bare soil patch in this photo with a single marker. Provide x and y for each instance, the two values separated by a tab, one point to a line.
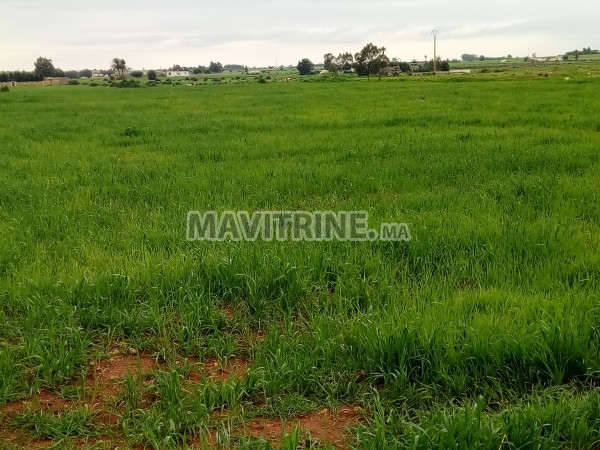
104	381
325	426
106	376
213	370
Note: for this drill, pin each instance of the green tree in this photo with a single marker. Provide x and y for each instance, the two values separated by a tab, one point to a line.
342	61
305	66
152	75
468	57
371	60
119	66
44	67
85	73
137	73
481	58
345	60
215	67
442	66
329	62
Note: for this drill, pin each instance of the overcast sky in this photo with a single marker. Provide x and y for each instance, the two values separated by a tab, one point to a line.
79	34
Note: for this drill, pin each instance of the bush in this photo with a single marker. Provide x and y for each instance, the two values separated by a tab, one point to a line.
261	80
137	74
152	75
73	82
93	83
131	132
4	89
126	84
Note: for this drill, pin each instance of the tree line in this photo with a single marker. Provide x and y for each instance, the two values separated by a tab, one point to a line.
371	60
213	67
43	68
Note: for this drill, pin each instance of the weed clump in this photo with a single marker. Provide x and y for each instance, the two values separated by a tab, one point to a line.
126	84
131	132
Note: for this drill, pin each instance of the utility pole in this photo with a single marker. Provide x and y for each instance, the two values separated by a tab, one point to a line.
434	33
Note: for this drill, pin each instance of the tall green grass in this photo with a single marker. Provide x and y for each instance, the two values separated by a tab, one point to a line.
494	302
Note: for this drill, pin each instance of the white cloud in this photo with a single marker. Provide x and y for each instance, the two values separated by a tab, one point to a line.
155	33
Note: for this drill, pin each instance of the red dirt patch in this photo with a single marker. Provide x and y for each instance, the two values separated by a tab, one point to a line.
45	400
106	376
104	381
229	311
324	426
13	436
211	369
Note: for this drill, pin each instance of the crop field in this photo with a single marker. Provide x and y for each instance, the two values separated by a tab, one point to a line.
482	331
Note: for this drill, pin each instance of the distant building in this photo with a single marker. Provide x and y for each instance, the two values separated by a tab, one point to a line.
177	73
55	81
389	71
542	59
48	81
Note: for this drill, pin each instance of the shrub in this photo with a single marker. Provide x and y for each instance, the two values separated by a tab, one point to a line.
73	82
131	132
137	73
152	75
93	83
126	84
4	89
261	80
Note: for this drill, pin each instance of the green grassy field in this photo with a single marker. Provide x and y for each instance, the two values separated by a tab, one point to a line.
483	331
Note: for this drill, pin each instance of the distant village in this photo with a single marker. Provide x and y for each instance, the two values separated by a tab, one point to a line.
47	75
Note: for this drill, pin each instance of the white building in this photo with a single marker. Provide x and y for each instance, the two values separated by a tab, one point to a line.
177	73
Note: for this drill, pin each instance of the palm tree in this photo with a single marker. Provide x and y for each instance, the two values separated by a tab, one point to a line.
119	65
